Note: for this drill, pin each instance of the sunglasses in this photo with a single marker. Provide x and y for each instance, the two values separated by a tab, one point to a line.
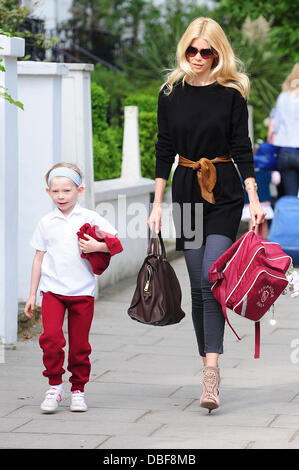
205	53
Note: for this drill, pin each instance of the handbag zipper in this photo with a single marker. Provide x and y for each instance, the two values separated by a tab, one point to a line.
147	283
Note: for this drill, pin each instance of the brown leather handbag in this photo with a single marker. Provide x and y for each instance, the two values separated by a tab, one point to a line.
157	297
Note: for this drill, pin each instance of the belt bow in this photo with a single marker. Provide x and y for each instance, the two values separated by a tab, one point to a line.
206	173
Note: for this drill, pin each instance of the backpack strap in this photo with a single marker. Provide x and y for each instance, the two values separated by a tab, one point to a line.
257	328
223	305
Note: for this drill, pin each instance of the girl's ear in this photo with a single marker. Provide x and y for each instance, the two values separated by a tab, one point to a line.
80	190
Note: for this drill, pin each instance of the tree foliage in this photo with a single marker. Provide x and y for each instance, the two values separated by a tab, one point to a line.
154	52
265	64
4	91
282	14
15	20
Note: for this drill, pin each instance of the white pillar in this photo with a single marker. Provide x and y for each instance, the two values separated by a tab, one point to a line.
131	169
10	49
77	146
40	85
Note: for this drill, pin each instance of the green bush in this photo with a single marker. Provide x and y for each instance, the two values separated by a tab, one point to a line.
107	152
147	123
117	86
147	138
145	102
107	140
99	107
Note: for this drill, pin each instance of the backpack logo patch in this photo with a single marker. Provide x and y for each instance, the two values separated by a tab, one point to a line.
264	294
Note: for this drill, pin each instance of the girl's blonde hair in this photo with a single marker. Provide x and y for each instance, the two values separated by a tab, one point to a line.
64	164
291	83
224	68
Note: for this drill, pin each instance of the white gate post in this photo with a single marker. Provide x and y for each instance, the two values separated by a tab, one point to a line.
11	48
131	169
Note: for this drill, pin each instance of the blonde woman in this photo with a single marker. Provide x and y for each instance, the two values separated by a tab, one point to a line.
285	127
202	113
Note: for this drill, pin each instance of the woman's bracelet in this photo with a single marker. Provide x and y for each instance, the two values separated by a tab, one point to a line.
251	186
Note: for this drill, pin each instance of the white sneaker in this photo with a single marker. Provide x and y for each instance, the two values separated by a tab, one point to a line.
78	402
52	399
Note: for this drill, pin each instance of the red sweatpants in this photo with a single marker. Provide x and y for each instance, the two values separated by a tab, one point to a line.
52	341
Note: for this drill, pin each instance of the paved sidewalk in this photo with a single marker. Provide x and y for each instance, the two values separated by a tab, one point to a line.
145	384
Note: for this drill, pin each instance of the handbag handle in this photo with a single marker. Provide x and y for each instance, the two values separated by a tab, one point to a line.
156	245
258	230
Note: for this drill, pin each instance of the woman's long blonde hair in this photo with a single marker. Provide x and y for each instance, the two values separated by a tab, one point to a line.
224	69
291	83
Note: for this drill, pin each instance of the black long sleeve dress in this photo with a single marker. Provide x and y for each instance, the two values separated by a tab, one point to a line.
204	121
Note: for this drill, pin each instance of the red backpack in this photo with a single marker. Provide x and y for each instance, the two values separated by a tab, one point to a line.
249	277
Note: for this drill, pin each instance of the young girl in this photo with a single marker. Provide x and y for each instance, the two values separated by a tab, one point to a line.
65	280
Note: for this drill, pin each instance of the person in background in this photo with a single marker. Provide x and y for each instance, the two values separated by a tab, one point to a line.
285	132
275	178
270	136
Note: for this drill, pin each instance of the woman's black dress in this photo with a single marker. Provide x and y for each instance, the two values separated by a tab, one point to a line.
204	121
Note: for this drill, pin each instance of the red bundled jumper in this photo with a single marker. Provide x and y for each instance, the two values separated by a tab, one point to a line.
100	260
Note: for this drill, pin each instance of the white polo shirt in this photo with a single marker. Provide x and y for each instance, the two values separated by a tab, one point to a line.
63	271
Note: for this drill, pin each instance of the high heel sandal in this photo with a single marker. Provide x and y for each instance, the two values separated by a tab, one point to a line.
210	388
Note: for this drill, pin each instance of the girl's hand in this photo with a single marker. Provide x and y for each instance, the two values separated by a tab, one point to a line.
90	245
30	306
257	212
154	220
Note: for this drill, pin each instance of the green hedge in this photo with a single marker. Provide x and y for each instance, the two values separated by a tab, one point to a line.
107	140
117	86
147	123
99	107
145	102
107	152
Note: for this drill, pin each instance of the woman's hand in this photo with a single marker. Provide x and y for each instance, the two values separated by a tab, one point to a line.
154	220
30	306
257	212
90	245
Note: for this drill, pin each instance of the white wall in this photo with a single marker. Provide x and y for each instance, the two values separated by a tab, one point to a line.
54	126
11	48
40	86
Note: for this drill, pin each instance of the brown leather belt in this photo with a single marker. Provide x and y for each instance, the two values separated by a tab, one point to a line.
206	173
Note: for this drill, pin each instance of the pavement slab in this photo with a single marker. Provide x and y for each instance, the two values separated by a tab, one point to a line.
145	385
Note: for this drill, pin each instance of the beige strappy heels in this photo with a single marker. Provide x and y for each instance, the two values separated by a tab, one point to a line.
210	388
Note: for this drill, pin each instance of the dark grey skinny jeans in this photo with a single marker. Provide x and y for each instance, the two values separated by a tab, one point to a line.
207	316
